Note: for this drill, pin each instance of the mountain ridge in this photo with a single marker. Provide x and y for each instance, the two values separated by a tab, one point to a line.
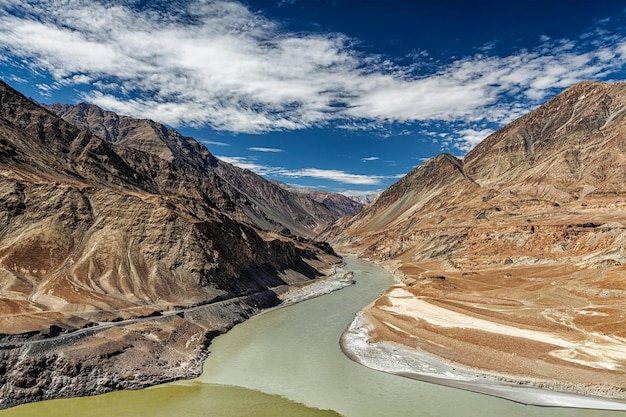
245	195
526	232
94	233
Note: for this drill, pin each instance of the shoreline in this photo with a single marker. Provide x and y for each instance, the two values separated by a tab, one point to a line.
411	363
106	370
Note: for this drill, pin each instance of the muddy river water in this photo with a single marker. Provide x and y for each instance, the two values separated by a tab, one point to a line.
288	362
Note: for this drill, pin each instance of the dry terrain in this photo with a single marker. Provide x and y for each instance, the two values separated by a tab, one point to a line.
513	259
108	246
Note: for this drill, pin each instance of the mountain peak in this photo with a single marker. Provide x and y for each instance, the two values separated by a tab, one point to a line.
243	194
571	148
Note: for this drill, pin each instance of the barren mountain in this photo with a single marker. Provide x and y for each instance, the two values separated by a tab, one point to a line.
363	198
520	244
245	195
94	233
335	202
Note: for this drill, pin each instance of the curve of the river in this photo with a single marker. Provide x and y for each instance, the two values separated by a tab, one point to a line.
288	362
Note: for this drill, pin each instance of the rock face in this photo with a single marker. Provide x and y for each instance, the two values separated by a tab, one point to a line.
244	195
526	231
97	231
335	202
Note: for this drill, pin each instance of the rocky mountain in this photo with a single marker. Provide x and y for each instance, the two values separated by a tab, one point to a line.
105	244
245	195
552	163
528	231
363	198
337	203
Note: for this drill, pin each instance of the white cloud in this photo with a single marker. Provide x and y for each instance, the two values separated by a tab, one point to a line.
214	143
17	79
325	174
245	163
333	175
370	158
466	139
262	149
218	63
45	89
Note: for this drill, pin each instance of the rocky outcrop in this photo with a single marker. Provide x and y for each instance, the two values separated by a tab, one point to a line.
94	232
128	355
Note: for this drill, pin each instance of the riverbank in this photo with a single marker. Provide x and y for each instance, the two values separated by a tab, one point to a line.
393	358
137	353
296	294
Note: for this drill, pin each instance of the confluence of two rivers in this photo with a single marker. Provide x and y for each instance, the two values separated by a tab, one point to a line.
287	362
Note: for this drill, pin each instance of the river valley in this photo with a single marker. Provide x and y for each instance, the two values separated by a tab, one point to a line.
288	362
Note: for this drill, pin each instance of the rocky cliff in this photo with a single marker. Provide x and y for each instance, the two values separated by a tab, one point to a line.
95	232
526	231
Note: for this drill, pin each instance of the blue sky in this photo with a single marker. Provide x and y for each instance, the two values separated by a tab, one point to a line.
330	94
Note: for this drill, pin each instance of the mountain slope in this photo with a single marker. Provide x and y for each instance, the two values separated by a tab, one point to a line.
526	231
245	195
94	233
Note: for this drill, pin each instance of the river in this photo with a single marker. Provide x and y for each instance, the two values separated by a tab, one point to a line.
287	362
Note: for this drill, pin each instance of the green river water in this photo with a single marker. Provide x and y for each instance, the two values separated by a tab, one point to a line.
288	362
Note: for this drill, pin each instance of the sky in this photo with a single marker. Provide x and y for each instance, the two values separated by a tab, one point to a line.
337	95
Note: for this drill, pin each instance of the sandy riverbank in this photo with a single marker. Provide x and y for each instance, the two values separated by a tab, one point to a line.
413	363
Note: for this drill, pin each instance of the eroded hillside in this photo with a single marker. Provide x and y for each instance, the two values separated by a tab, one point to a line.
513	257
94	232
242	194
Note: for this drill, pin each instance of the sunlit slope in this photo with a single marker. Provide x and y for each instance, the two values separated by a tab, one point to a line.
513	257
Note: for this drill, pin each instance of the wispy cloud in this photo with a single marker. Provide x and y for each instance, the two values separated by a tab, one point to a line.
220	64
246	163
466	139
262	149
370	158
214	143
336	175
333	175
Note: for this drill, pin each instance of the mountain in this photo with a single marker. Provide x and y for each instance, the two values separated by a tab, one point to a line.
245	195
337	203
526	231
104	244
363	198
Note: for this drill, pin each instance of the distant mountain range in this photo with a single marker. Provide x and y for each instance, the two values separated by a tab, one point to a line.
337	203
363	198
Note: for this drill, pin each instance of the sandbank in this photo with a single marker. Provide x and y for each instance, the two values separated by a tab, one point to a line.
416	364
